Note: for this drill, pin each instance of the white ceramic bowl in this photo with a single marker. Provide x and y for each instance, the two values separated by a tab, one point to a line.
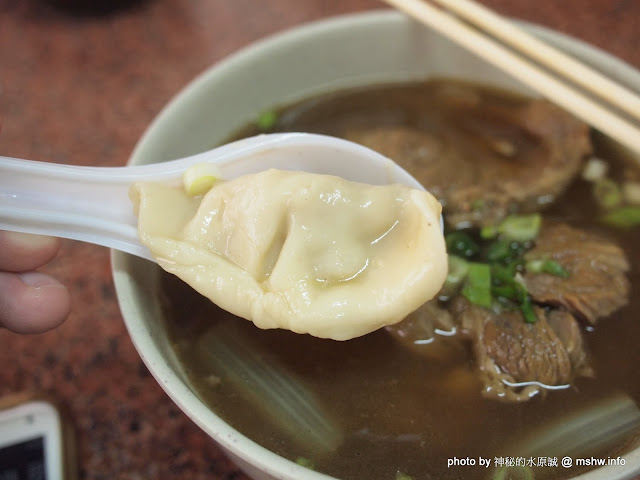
311	59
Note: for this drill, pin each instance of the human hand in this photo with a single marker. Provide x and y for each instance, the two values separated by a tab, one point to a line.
30	301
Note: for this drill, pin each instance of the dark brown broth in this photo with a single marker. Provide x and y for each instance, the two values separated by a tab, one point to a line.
401	413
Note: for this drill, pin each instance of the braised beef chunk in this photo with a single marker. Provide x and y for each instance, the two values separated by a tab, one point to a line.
422	324
491	159
597	284
527	352
569	332
421	332
511	353
524	351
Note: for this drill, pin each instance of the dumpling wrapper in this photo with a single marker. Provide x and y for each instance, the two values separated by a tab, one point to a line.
305	252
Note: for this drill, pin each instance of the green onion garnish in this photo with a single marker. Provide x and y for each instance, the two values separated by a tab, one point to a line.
607	193
623	217
306	462
487	264
546	266
504	251
403	476
266	120
526	307
458	270
514	473
488	232
520	228
461	244
503	273
477	286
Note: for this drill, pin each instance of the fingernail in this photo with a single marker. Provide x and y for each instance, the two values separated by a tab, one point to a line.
39	280
30	240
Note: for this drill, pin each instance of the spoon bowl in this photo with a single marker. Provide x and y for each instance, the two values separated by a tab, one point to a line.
92	204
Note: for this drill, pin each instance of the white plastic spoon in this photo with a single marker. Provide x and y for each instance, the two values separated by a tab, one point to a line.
91	204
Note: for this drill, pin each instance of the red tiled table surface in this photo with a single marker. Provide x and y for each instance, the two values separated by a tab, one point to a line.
81	91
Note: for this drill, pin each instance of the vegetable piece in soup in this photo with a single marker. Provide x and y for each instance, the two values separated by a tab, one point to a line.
305	252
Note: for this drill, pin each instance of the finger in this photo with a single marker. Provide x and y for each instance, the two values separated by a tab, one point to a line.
32	302
22	252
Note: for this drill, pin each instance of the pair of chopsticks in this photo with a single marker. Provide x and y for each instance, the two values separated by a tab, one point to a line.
579	89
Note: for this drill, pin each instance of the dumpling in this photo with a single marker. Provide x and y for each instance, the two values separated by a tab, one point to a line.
310	253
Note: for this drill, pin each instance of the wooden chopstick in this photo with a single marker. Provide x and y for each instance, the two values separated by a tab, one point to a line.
548	56
526	71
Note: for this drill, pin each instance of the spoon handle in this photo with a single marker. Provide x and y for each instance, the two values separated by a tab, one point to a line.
92	204
89	204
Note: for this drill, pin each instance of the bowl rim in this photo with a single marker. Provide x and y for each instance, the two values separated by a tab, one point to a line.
239	446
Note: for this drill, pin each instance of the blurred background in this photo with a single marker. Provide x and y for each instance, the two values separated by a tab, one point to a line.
80	80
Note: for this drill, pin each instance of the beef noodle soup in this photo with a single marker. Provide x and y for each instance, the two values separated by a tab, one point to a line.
528	355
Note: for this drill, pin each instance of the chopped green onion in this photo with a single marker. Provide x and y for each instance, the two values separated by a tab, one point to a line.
504	251
554	268
266	120
515	296
526	307
503	274
607	193
458	269
490	269
546	266
520	228
507	292
499	250
488	232
403	476
477	287
461	244
535	266
306	462
505	303
510	292
198	179
513	291
520	472
623	217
